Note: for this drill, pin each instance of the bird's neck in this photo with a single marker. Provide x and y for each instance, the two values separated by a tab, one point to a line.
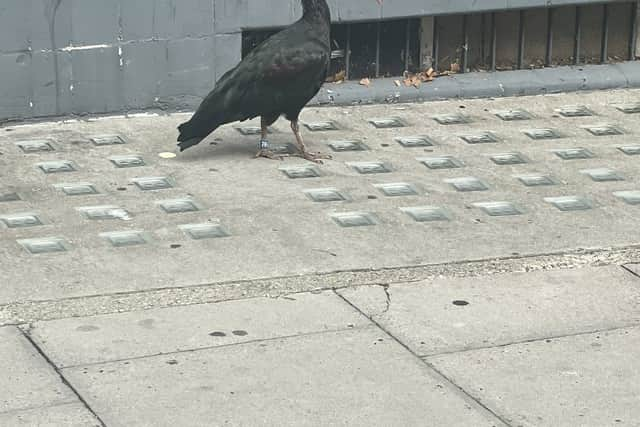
316	10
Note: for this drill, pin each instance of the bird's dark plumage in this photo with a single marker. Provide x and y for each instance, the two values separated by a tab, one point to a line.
278	77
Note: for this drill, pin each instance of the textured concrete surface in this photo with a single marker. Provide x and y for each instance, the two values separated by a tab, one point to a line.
86	340
68	415
451	315
586	380
357	377
276	229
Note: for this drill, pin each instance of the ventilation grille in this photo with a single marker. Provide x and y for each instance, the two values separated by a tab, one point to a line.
507	40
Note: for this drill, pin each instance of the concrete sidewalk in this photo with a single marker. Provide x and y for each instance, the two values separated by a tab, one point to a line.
456	263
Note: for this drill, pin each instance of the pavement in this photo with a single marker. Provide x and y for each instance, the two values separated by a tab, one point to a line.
457	263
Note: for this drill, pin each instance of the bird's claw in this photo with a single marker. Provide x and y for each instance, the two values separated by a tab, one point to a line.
316	157
268	154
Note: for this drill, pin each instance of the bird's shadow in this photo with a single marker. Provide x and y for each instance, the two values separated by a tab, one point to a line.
233	148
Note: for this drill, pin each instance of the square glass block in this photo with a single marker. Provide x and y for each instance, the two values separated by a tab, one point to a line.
451	119
204	231
100	213
100	140
35	146
427	213
77	189
504	159
178	206
388	122
543	133
630	197
466	184
604	130
499	208
354	219
443	162
602	174
514	115
283	149
322	126
367	168
574	111
120	239
570	203
44	245
323	195
127	161
415	141
152	183
21	220
397	189
348	145
574	153
299	172
9	197
629	108
630	150
252	130
57	166
480	138
536	180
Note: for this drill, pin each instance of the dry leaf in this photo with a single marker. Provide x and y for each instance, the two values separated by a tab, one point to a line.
397	83
431	72
340	76
167	155
455	67
365	82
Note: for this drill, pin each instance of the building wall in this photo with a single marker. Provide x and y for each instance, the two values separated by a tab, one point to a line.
95	56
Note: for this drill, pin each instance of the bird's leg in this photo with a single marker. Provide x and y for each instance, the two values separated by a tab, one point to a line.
264	143
314	157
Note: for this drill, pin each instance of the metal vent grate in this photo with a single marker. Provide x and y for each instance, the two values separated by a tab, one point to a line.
494	41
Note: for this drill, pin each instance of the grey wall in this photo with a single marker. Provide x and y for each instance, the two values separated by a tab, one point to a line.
94	56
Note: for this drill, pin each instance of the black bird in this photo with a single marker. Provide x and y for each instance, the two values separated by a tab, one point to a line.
278	77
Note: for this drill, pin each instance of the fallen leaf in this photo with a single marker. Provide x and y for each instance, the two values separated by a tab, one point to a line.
365	82
167	155
455	67
397	83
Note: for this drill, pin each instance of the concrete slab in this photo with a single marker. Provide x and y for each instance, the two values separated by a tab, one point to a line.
276	230
96	339
28	381
635	268
585	380
68	415
451	315
357	377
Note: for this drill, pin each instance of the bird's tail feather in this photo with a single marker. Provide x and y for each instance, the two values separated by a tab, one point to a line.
193	132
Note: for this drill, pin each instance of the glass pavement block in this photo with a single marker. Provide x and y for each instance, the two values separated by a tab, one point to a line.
354	219
574	111
514	115
323	195
427	213
152	183
204	231
480	138
322	126
44	245
397	189
77	189
629	108
252	130
442	162
570	203
299	172
602	174
120	239
388	122
504	159
174	206
499	208
21	220
574	153
630	150
543	133
9	197
367	168
415	141
451	119
535	180
101	140
604	130
101	213
57	166
466	184
347	145
127	161
35	146
631	197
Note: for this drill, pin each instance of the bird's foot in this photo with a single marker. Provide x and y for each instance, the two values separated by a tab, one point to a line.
315	157
268	154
